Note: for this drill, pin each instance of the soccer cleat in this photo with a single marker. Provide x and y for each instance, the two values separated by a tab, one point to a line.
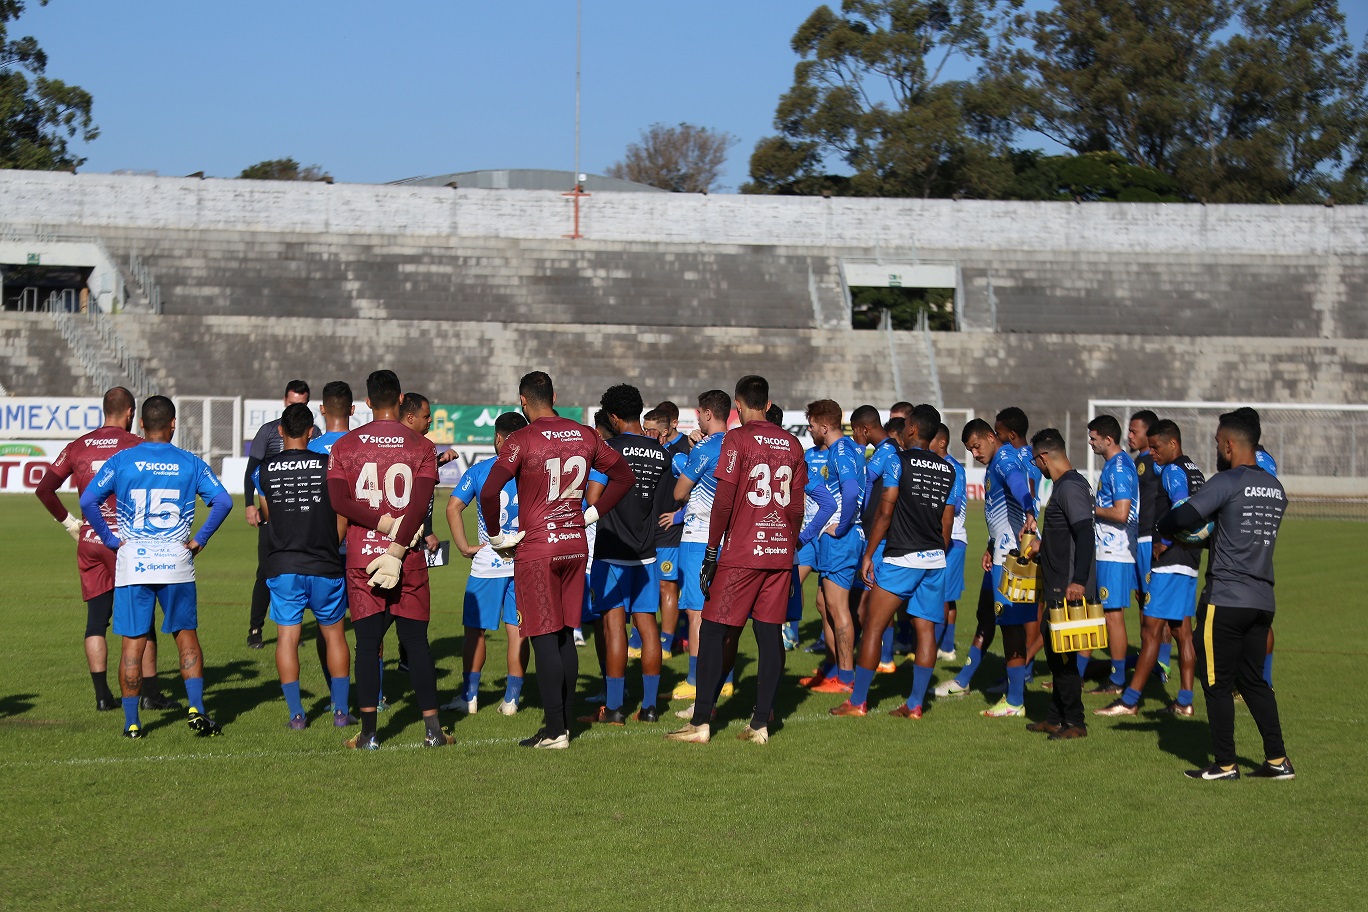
542	741
833	686
815	679
666	654
134	733
790	641
633	652
944	656
887	667
906	712
508	707
685	713
1162	671
600	697
1107	690
648	714
684	691
727	690
1043	727
818	646
1117	708
754	735
383	705
441	739
950	688
850	709
1177	709
102	705
605	716
362	741
1068	733
903	647
343	719
461	705
1268	770
1004	710
297	722
254	640
692	734
579	638
203	726
1214	773
159	702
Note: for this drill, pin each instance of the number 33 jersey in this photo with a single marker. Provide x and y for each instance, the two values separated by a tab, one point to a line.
766	464
379	462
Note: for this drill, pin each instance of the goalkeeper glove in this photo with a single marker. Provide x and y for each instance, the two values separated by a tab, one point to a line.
591	515
73	526
503	545
388	525
705	577
384	570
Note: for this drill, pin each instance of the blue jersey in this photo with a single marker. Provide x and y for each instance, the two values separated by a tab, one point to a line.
698	467
1119	481
1265	461
486	564
1007	500
816	459
845	479
959	499
1027	459
154	487
323	443
886	452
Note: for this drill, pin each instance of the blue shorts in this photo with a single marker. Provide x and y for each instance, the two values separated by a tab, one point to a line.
291	593
838	559
923	588
795	602
667	559
134	608
487	601
1009	614
636	588
807	555
954	571
690	567
1144	556
1172	596
1115	583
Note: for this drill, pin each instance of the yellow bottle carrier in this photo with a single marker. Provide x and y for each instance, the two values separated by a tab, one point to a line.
1020	574
1075	626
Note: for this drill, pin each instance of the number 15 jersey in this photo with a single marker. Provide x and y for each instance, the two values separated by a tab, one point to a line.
766	464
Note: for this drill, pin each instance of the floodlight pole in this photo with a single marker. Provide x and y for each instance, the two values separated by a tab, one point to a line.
578	192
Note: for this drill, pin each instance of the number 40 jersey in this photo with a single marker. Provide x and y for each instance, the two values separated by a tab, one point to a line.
766	464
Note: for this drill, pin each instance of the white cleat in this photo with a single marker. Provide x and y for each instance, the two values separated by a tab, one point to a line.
950	689
461	705
579	639
508	708
693	734
754	735
944	656
541	741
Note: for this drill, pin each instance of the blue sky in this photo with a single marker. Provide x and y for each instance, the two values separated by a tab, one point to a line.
375	92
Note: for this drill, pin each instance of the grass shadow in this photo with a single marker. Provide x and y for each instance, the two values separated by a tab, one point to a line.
16	704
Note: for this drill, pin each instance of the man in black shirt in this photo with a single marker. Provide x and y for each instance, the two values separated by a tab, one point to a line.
1068	573
303	566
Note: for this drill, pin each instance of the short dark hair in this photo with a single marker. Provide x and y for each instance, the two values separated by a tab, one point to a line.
298	387
383	389
157	413
752	391
1014	420
412	404
865	416
601	421
1243	423
653	416
1165	429
715	401
828	410
1048	440
942	431
1145	417
509	422
296	420
775	415
117	400
668	409
537	388
895	426
903	406
337	396
976	427
1106	426
922	423
622	401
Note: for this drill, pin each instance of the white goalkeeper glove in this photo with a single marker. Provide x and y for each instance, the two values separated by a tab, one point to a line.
384	570
73	526
388	525
503	545
591	515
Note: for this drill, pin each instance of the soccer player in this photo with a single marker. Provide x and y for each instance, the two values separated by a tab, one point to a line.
267	442
550	459
489	595
1067	573
625	578
670	531
303	565
154	486
82	458
380	478
959	546
915	514
1172	591
337	408
1147	479
815	458
867	430
1265	461
1117	530
840	545
1012	425
757	506
1236	609
1009	510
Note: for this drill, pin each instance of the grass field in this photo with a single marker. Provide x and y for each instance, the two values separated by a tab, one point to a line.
953	812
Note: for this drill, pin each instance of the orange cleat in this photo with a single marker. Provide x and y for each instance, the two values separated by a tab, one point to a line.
833	686
906	712
850	709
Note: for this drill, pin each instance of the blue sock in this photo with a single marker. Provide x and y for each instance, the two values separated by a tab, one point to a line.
341	693
472	684
947	640
1030	671
1165	654
1083	665
1184	698
863	678
921	679
130	708
937	633
650	689
292	699
886	654
667	642
615	688
1268	669
845	677
1118	672
1131	697
512	688
1016	685
634	641
693	671
194	694
967	672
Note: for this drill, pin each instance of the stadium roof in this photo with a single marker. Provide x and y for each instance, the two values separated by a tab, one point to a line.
527	179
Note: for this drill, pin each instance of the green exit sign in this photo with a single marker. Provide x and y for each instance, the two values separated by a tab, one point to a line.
33	259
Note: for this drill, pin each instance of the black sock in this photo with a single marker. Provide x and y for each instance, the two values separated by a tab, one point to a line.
101	681
368	722
433	725
151	687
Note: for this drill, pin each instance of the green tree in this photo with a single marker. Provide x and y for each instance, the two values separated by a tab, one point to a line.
38	115
682	159
284	169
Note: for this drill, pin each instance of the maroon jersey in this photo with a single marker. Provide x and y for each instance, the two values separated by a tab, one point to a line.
381	463
551	459
765	464
82	458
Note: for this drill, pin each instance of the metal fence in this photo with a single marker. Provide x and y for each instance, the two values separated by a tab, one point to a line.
210	427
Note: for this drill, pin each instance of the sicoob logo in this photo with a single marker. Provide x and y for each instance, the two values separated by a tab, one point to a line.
381	441
157	466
